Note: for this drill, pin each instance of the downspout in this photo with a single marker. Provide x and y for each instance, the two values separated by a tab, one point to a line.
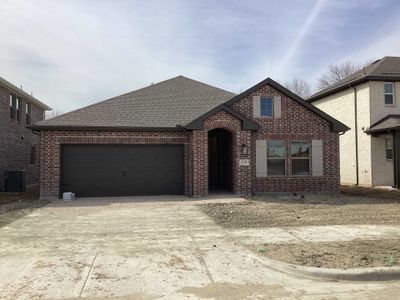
356	133
396	158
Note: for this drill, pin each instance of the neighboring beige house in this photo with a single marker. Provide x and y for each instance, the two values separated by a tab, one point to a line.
368	102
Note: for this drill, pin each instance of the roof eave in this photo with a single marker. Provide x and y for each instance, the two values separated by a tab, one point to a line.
102	128
336	126
24	94
345	86
382	130
247	124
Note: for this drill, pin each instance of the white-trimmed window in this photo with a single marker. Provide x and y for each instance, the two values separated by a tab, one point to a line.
12	107
28	113
18	108
389	93
389	147
276	158
266	107
300	155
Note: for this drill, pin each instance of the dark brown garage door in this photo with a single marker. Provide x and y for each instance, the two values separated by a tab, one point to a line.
120	170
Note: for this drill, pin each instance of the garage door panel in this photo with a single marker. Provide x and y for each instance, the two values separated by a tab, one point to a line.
111	170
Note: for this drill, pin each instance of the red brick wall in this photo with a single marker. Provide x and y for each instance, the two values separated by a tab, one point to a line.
50	151
16	140
296	124
241	174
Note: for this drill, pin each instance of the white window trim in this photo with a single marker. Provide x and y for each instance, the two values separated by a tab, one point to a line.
392	93
272	107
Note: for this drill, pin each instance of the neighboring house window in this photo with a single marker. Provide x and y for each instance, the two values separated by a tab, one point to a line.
28	113
266	107
300	153
389	148
18	109
389	93
276	154
12	107
33	155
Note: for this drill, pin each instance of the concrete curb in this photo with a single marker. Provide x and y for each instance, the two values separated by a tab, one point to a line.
354	274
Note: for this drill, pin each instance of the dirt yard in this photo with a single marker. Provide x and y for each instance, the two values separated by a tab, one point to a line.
312	210
316	210
370	192
342	255
16	205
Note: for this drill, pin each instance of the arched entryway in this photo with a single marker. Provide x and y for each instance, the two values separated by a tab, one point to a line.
220	154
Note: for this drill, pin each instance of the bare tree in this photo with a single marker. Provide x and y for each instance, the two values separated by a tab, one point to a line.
299	87
339	71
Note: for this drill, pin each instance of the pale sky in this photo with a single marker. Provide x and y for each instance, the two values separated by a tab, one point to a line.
77	52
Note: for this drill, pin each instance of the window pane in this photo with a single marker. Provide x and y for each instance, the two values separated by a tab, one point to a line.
276	149
266	107
300	166
275	167
389	154
389	143
389	148
300	149
11	100
388	88
388	99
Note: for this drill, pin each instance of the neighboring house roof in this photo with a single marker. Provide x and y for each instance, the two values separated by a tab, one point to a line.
172	104
385	69
17	90
388	123
168	104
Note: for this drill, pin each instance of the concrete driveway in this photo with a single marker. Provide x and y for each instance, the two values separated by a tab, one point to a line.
147	248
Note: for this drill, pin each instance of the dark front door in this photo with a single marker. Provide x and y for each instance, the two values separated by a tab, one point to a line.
220	160
119	170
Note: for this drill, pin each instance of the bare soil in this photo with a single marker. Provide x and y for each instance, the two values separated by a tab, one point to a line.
340	255
16	205
370	192
312	210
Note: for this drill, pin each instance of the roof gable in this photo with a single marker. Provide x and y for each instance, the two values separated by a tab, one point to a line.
335	124
247	124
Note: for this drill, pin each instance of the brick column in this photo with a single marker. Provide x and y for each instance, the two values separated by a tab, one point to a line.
200	163
242	178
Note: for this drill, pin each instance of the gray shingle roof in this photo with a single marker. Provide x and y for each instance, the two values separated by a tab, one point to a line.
387	68
166	104
390	122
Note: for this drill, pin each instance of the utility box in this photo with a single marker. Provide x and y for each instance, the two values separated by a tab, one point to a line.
15	181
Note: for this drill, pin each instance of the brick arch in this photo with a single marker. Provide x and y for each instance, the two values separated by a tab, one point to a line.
222	120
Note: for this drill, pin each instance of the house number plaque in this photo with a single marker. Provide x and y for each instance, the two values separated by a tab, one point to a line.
244	162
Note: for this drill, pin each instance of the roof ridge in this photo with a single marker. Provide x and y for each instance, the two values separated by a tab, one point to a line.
378	63
206	84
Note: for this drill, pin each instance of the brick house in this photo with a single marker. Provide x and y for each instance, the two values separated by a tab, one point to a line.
19	146
181	136
368	101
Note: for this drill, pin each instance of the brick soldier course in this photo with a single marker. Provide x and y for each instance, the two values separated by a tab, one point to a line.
183	111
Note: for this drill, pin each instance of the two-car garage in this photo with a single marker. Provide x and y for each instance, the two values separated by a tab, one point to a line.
91	170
